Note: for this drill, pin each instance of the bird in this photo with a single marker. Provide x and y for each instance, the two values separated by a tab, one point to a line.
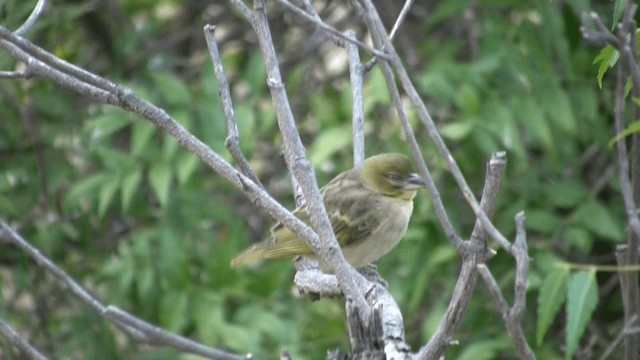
369	207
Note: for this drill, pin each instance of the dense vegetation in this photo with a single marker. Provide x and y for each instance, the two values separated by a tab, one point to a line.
145	225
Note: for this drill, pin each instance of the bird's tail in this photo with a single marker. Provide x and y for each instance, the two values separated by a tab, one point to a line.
254	253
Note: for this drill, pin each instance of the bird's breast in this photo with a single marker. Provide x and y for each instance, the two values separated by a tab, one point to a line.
392	217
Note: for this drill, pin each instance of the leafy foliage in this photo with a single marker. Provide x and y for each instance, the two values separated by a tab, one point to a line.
147	227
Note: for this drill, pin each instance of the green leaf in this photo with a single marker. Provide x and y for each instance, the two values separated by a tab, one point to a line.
595	217
174	310
328	142
207	313
186	164
534	120
84	189
484	349
552	295
634	127
558	108
457	130
618	8
130	186
160	180
607	57
107	192
566	193
107	123
582	299
172	89
140	135
467	99
542	221
579	238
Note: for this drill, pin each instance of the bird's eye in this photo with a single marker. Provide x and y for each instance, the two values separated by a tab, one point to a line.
394	177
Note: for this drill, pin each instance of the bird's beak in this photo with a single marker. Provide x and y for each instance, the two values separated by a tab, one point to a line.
414	182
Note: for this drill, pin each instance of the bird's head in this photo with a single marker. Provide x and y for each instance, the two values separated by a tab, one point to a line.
391	174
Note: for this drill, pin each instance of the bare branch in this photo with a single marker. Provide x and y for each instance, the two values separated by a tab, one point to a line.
315	19
629	329
403	14
351	282
512	316
473	253
356	77
232	143
33	17
160	337
381	40
16	340
20	74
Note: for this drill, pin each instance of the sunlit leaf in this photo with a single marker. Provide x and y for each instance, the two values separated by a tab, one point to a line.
607	57
552	295
582	299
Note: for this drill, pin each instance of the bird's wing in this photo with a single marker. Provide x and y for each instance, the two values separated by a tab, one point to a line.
348	203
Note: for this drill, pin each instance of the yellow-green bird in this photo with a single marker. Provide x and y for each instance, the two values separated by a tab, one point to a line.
369	208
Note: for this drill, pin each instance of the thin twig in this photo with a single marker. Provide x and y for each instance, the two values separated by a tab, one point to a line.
403	14
381	40
416	152
16	340
33	17
630	328
512	316
161	337
318	22
232	142
473	253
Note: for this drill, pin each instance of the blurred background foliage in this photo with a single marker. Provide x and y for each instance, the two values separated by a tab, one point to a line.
145	226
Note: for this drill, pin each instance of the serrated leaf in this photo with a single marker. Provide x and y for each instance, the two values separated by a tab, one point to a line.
552	294
129	187
160	180
582	298
107	192
634	127
140	135
607	57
